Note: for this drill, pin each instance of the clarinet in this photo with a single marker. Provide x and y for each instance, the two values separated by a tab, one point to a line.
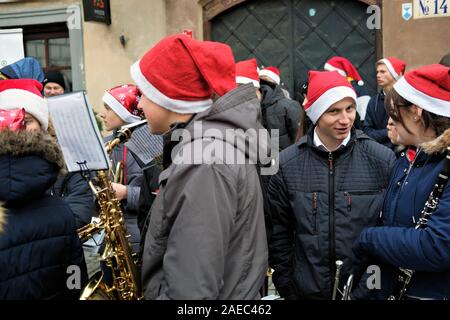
432	202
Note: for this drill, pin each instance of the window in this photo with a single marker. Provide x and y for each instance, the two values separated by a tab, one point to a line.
50	45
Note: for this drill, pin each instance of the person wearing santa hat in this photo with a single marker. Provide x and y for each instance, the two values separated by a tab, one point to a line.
328	188
389	70
419	106
26	94
346	69
71	187
278	112
120	107
205	236
272	74
40	241
247	72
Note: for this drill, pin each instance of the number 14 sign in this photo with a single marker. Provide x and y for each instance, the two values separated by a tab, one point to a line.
430	9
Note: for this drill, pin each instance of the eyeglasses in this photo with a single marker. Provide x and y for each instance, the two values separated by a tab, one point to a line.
394	111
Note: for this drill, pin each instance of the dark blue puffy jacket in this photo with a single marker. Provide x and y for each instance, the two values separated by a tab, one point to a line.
39	242
376	120
398	243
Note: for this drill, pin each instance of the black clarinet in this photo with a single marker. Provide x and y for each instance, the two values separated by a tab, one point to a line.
405	275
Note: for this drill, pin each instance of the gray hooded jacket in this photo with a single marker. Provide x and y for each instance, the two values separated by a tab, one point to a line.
206	237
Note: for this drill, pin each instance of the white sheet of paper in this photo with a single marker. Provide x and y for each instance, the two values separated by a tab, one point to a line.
12	46
77	132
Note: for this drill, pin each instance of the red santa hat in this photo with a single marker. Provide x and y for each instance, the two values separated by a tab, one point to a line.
324	90
271	72
13	119
123	100
181	74
395	66
24	93
247	72
344	67
427	87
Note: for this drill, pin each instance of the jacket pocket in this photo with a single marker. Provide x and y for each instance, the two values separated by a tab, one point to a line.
307	209
350	195
361	208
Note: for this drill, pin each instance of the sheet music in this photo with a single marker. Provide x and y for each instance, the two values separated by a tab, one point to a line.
144	145
77	132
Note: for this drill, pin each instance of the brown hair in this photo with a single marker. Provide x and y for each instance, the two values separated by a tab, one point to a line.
393	102
302	124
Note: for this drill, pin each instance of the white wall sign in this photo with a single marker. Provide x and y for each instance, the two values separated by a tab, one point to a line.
431	8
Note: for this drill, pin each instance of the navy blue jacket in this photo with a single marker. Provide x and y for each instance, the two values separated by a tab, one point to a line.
78	195
376	120
398	243
39	242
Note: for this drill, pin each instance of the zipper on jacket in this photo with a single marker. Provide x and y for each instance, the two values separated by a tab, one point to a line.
410	167
331	218
349	201
315	205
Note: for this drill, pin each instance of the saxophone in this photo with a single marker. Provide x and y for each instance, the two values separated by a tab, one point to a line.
117	254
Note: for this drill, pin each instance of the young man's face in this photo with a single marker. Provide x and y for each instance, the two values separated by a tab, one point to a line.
110	118
158	118
53	89
335	124
384	77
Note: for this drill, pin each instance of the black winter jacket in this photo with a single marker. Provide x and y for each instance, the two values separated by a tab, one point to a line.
279	112
76	193
320	202
39	242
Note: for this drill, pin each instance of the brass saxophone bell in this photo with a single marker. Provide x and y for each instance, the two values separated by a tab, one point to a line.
96	289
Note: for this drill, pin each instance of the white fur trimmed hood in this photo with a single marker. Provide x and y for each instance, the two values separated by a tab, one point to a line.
438	145
25	143
29	165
